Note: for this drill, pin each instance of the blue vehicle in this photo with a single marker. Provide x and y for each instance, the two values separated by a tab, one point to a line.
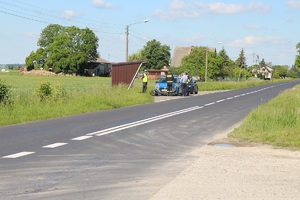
160	87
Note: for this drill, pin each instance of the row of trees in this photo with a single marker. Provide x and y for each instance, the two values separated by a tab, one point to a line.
220	66
69	49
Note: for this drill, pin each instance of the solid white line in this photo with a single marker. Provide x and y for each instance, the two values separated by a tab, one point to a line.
54	145
220	100
133	124
148	119
84	137
208	104
24	153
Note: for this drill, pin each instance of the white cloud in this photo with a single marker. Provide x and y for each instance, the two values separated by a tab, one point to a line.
293	3
68	14
175	14
222	8
182	9
256	40
101	4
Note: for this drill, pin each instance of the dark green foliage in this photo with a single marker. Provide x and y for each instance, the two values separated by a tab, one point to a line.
156	55
5	96
44	91
64	49
241	61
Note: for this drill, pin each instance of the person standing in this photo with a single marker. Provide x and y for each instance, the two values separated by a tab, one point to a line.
145	81
183	81
170	79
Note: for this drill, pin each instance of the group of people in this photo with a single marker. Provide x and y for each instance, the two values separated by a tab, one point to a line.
184	80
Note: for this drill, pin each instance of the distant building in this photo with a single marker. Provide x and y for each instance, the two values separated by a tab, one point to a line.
100	67
181	52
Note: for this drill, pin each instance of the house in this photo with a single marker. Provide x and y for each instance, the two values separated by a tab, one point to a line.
181	52
100	67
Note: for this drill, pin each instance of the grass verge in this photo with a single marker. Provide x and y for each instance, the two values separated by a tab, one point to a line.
275	123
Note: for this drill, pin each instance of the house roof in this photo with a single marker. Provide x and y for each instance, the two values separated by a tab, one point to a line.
181	52
102	60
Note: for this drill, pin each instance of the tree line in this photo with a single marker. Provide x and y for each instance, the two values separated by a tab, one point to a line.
69	49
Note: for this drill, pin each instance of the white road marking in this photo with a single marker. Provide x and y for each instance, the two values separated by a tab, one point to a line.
220	100
208	104
54	145
144	121
17	155
84	137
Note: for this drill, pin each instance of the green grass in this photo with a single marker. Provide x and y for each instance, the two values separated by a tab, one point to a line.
80	95
276	123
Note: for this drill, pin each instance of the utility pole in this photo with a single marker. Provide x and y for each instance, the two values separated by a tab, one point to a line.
127	27
206	62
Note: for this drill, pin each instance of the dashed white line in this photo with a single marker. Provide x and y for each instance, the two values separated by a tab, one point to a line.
17	155
84	137
54	145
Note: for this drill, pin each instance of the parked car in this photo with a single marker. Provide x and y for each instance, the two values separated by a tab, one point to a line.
192	87
160	87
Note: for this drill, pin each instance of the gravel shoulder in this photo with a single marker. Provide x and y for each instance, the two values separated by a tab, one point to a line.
236	170
243	171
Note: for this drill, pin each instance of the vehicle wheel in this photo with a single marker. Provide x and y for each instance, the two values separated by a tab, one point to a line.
196	92
156	94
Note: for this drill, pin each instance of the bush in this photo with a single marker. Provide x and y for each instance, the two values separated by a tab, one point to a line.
44	91
5	96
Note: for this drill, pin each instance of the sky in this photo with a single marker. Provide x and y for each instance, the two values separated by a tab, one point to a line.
268	29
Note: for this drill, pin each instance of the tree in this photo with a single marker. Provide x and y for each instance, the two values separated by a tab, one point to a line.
156	55
64	49
297	61
280	70
241	61
194	63
226	65
136	56
294	72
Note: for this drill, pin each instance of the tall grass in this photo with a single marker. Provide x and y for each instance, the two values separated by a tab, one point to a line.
81	95
276	122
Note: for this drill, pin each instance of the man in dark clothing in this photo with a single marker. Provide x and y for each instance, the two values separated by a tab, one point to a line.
170	79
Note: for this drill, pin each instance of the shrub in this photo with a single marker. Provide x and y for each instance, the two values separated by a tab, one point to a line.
44	91
5	96
47	92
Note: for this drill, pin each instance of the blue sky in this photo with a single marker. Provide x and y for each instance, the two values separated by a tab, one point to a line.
268	28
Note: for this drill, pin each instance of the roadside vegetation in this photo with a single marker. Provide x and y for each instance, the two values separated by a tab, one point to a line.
275	123
34	98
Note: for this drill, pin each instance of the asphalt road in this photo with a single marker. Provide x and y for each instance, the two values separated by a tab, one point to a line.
127	153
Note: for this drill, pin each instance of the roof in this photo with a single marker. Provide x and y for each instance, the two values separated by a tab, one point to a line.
102	60
181	52
178	54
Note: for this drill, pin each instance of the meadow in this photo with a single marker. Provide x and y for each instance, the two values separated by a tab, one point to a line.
34	97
